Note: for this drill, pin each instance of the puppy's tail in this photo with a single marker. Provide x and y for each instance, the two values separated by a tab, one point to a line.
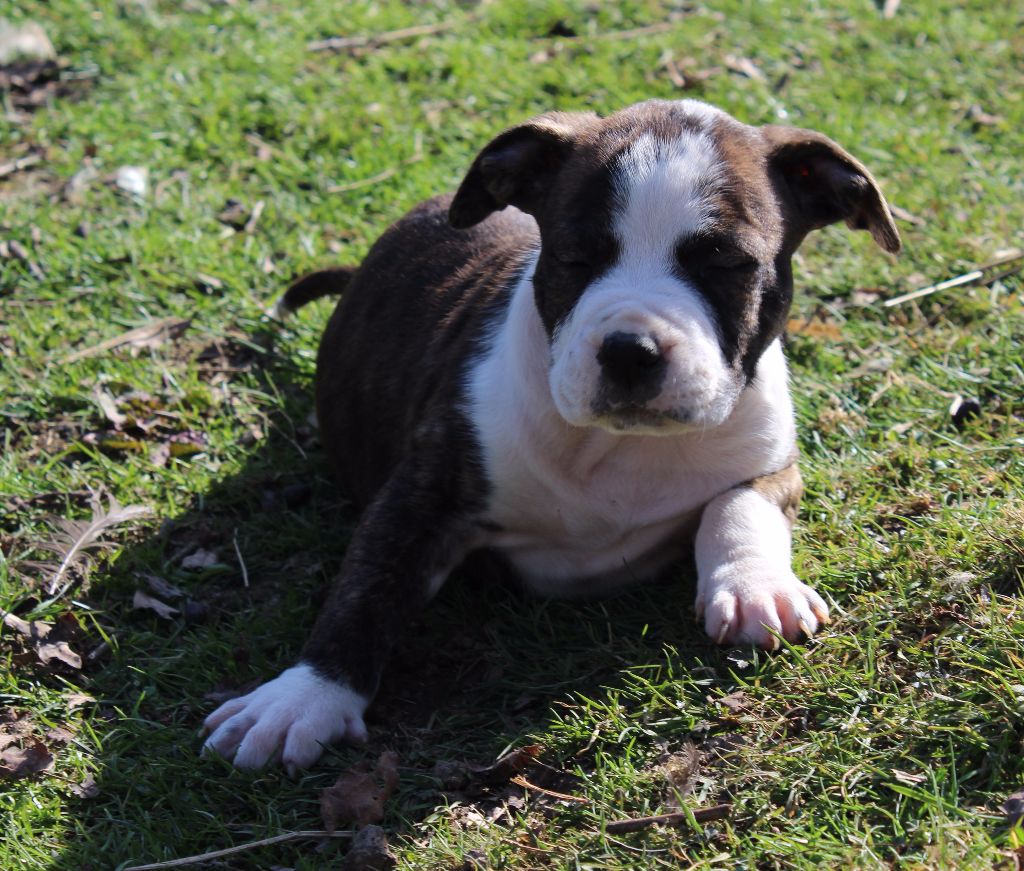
326	282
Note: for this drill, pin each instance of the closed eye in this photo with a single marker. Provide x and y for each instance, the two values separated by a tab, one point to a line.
710	256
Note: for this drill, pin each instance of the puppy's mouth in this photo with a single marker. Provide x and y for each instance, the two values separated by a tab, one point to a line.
640	420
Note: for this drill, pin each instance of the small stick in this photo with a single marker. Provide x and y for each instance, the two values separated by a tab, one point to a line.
416	155
519	780
986	274
343	43
701	815
647	29
254	216
19	164
241	562
145	333
241	848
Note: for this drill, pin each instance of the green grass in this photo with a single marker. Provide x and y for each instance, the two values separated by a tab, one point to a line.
891	740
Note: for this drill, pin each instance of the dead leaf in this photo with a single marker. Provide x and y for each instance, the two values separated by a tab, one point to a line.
817	328
200	559
901	214
59	651
109	408
26	42
744	66
32	630
907	778
59	735
143	600
735	703
369	852
160	455
14	726
358	795
208	283
76	700
133	180
86	789
161	587
981	118
509	765
16	763
1013	807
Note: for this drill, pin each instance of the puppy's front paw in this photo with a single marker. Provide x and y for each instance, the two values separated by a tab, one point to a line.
746	601
290	717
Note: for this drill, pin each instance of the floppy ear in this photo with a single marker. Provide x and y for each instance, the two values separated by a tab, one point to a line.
824	184
517	167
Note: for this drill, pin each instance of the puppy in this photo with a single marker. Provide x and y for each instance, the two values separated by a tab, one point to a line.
574	362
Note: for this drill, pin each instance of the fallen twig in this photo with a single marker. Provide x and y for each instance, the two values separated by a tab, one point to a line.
241	848
647	29
146	334
241	562
519	780
984	274
347	43
18	164
701	815
417	154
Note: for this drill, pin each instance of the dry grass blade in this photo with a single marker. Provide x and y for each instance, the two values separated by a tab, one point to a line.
74	539
148	335
200	858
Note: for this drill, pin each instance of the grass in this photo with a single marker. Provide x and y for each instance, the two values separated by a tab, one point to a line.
889	741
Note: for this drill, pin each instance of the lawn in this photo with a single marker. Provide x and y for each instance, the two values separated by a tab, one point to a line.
891	740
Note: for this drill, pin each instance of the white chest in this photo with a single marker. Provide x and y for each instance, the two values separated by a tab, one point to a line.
578	509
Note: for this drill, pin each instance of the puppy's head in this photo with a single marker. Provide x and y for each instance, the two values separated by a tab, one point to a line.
666	236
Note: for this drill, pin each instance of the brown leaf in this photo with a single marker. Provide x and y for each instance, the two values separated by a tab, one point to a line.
34	630
736	702
143	600
60	651
109	408
509	765
358	795
16	763
744	66
200	559
1013	807
76	700
817	328
369	852
161	587
160	455
59	735
13	726
982	118
86	789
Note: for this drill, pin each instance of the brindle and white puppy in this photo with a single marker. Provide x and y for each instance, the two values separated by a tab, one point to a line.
574	362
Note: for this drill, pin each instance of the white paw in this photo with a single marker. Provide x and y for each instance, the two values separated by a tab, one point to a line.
746	602
289	718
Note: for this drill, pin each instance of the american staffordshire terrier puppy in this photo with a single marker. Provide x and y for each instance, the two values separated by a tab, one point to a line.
574	362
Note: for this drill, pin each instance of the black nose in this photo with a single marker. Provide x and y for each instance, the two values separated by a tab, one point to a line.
629	360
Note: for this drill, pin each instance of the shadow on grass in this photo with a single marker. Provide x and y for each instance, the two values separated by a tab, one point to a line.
484	668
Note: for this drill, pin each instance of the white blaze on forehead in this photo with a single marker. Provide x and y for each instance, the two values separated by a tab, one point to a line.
661	191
